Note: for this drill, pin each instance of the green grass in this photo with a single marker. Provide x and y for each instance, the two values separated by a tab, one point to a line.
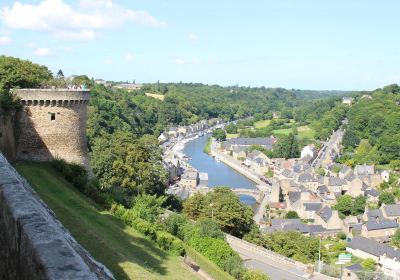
306	132
232	135
262	123
282	131
127	253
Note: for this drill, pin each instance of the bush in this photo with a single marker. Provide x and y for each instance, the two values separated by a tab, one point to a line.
170	243
72	172
216	250
341	235
174	224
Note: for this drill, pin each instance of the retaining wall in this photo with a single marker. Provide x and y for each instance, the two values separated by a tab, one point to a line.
33	243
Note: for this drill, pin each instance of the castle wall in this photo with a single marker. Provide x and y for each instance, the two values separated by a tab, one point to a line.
33	243
7	137
52	124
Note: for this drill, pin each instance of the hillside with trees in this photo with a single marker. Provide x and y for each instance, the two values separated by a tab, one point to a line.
373	132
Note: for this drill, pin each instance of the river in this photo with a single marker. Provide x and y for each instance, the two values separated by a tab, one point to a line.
219	174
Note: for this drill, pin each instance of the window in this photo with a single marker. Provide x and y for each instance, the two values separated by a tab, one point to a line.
52	116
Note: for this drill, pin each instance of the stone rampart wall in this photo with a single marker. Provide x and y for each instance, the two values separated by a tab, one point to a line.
33	243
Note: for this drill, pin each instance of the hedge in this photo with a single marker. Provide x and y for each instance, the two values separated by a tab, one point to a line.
206	265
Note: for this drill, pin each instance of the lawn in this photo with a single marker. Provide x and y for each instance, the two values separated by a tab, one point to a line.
282	131
306	132
262	123
232	135
127	253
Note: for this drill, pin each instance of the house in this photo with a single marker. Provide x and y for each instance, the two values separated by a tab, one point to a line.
294	225
351	223
101	82
275	193
372	214
379	228
265	142
387	257
203	179
355	187
173	131
348	100
173	168
128	86
385	175
162	138
364	169
350	272
336	184
328	218
307	180
239	152
189	179
345	171
308	151
391	211
309	210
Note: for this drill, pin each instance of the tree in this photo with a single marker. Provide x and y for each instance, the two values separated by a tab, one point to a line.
291	215
60	74
386	198
254	275
174	224
224	207
369	264
358	205
350	139
396	238
231	128
286	147
148	207
344	204
219	134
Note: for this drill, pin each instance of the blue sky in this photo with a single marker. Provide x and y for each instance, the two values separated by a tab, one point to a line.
341	44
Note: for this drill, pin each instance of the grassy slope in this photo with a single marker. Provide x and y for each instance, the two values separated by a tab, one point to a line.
127	253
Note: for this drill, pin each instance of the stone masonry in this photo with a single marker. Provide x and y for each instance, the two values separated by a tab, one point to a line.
52	124
33	243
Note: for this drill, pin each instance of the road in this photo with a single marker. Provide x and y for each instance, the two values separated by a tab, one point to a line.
273	268
325	152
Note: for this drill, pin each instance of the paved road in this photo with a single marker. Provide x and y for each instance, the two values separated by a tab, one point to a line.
324	154
276	270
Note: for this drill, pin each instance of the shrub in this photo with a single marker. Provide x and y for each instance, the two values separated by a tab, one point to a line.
174	224
72	172
170	243
216	250
341	235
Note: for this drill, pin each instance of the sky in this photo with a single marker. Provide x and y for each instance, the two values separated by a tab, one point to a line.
301	44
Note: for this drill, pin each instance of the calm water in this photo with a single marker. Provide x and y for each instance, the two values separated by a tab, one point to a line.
219	174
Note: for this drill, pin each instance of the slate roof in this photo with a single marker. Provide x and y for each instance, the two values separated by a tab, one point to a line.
294	196
355	267
322	189
336	181
364	169
263	141
372	192
374	248
281	222
381	224
190	175
254	154
239	149
374	214
287	173
325	213
344	169
392	210
313	206
306	177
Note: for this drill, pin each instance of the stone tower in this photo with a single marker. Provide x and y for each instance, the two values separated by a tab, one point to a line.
52	124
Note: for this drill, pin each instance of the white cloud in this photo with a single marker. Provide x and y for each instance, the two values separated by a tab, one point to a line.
5	40
108	61
42	52
193	37
196	61
73	23
128	57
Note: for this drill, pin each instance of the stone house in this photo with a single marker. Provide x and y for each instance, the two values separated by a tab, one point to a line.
239	152
173	131
203	179
345	171
385	175
162	138
350	223
309	210
328	218
379	228
348	100
387	257
308	151
372	214
391	211
173	167
309	181
354	188
190	179
364	169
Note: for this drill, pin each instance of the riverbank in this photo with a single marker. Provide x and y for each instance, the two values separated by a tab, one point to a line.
207	147
234	164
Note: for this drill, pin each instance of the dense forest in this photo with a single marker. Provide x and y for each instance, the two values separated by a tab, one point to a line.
373	134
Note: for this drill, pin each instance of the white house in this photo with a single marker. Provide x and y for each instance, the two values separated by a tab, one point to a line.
308	151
